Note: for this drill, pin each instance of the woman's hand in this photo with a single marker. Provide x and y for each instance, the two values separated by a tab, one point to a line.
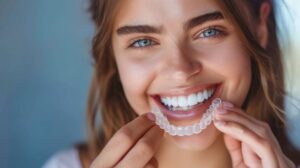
132	146
250	142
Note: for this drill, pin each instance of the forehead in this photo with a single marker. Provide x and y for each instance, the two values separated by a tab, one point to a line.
160	12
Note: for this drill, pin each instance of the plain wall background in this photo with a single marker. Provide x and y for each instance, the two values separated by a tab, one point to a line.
45	69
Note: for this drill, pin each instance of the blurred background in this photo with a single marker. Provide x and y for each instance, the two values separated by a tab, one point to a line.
45	69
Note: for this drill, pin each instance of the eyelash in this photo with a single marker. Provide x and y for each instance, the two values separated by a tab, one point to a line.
152	42
218	33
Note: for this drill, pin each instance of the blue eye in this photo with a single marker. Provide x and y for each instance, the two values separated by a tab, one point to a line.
210	32
141	43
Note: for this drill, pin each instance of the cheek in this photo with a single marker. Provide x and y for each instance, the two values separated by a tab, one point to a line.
135	78
233	64
238	75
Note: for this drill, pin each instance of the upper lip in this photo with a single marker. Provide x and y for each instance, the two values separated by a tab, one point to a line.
185	91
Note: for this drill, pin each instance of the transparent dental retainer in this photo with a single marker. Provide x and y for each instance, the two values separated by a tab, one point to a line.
188	130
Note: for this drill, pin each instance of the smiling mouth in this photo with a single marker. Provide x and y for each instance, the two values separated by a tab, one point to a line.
189	105
180	103
197	104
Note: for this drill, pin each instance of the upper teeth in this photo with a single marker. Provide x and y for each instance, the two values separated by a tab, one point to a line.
186	101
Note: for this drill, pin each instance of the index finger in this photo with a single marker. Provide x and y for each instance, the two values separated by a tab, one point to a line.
124	139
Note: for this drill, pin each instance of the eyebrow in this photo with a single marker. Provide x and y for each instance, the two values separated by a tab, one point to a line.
202	19
146	29
138	29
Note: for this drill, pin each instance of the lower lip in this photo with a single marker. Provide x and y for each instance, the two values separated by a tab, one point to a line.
195	112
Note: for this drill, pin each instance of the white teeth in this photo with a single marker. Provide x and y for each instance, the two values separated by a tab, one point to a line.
182	101
169	101
163	100
196	128
209	92
192	100
187	101
200	97
174	102
205	95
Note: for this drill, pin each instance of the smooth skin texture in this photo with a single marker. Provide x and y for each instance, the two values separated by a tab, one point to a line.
175	58
249	141
165	55
132	146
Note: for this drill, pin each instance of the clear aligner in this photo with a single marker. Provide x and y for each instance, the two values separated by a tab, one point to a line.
188	130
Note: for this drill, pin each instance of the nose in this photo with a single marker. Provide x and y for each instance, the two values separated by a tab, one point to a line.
181	64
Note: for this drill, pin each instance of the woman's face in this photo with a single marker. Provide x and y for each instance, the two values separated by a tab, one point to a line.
178	55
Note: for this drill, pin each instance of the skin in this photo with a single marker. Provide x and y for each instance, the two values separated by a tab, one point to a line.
180	56
175	59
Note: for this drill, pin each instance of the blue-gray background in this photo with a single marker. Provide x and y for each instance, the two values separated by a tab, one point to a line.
45	69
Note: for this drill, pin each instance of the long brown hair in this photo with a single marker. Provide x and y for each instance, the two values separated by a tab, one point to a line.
108	109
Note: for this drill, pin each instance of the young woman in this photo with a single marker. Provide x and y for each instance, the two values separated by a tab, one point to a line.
161	53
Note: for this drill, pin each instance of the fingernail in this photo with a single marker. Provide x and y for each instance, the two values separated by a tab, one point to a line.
219	123
221	111
227	104
151	116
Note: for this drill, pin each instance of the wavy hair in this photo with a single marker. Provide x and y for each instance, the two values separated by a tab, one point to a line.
108	109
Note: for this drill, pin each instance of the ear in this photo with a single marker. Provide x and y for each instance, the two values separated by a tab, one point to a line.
262	28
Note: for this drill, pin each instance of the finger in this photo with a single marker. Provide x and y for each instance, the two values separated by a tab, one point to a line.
229	112
259	127
153	163
240	154
284	161
249	157
144	149
123	140
289	163
228	115
229	106
259	145
234	149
